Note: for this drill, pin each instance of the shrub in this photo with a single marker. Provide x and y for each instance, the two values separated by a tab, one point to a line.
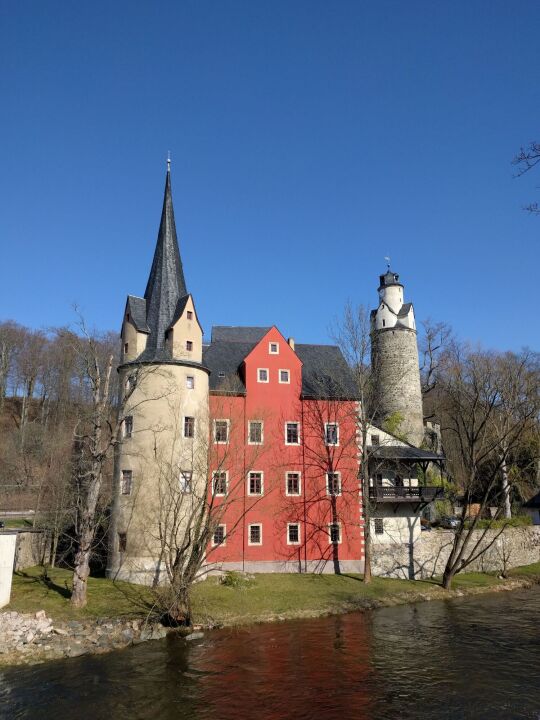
235	579
517	521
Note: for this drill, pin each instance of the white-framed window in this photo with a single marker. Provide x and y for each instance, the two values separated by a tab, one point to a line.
273	348
284	377
331	432
255	432
333	483
293	483
189	427
334	533
186	481
292	433
378	525
126	482
255	534
128	426
220	482
255	482
293	533
221	431
190	382
220	536
262	375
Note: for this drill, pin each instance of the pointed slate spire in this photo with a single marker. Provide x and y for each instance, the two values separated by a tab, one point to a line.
166	284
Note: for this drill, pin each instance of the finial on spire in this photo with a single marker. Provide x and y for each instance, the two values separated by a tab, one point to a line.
387	258
168	161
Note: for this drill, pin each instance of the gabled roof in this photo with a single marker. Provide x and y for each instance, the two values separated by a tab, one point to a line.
166	284
230	333
324	371
534	502
404	310
404	452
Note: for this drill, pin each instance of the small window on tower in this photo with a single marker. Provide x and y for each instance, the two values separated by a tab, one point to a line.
190	382
189	315
126	482
189	345
189	427
122	542
128	426
126	347
384	322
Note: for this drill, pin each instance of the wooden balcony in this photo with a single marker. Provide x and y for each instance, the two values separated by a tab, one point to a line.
393	494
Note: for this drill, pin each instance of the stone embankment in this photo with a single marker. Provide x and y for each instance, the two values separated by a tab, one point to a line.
36	638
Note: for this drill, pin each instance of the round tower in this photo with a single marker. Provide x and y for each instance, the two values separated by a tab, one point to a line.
397	401
160	459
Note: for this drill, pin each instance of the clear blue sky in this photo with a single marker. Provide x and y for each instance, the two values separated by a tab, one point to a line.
308	139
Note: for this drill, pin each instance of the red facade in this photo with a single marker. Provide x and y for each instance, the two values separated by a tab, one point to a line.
285	469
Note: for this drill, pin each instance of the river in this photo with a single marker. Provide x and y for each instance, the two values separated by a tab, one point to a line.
471	658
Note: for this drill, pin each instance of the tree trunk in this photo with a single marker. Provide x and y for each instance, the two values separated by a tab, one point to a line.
506	491
448	577
81	570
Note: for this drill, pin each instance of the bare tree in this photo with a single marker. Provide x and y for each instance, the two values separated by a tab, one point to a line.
489	401
526	159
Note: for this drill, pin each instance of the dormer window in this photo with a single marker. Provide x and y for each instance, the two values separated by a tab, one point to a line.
189	315
189	345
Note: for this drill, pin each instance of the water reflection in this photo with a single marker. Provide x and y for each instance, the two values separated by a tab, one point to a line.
471	659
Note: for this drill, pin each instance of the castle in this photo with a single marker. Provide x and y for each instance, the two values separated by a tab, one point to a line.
261	428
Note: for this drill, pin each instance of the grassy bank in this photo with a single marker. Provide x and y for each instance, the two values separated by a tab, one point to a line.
265	598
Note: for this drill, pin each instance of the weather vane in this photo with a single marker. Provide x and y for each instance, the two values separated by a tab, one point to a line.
168	160
387	258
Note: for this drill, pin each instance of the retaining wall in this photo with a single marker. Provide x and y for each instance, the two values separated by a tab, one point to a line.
427	557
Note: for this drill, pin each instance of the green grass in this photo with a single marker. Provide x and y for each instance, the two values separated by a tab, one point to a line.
13	523
267	596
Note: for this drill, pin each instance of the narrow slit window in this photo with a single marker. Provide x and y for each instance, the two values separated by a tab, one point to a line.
122	542
126	482
128	426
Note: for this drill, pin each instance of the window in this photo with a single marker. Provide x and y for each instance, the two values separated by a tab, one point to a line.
284	376
292	433
128	426
189	427
190	382
334	533
218	537
292	483
333	483
221	431
122	542
262	375
255	483
379	526
189	345
126	482
126	347
273	348
255	432
221	374
220	483
375	439
383	323
189	315
186	477
255	534
332	433
293	534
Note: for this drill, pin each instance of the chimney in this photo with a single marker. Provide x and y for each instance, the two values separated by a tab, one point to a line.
291	343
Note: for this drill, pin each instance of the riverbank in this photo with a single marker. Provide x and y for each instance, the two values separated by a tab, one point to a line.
119	614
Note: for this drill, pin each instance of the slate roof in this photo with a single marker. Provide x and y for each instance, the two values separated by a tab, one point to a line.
404	452
166	284
230	333
324	372
389	278
136	307
534	502
404	309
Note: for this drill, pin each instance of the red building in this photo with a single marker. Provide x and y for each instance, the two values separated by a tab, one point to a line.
284	454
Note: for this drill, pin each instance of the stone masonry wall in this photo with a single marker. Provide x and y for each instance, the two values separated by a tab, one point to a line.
427	557
395	361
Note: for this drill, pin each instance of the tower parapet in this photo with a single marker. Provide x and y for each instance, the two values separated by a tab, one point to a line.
395	367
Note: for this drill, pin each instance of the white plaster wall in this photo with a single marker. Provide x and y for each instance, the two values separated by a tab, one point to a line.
392	296
401	526
8	542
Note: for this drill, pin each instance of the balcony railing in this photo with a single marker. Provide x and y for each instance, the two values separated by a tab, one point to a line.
389	493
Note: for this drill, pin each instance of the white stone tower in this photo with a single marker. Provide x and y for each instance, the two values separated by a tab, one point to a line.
165	428
395	361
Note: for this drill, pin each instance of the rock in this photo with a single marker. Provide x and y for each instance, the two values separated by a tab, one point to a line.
60	631
41	615
194	636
